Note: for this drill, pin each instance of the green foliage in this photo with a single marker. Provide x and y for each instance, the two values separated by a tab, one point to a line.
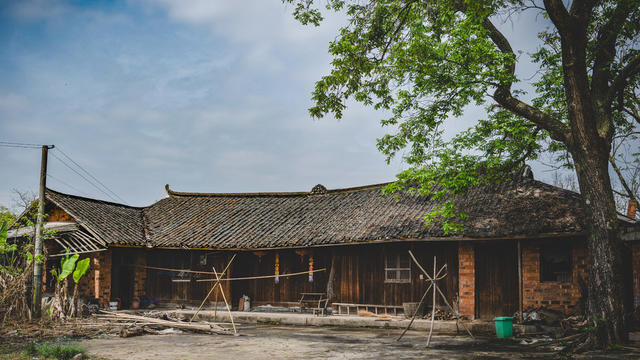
81	269
6	215
426	62
67	264
49	351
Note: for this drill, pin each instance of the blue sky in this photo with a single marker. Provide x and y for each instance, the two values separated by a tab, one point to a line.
204	95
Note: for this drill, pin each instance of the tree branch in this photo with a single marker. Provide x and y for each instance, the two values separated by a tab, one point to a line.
556	128
559	15
632	68
605	50
581	9
621	178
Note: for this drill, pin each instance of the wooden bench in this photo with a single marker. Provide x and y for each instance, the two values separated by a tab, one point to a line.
377	309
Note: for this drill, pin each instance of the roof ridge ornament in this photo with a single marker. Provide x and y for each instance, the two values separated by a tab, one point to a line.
318	190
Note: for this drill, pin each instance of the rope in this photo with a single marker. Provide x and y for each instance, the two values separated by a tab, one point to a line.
231	279
265	276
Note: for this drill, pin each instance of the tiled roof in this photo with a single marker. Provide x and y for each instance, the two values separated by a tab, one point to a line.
113	223
326	217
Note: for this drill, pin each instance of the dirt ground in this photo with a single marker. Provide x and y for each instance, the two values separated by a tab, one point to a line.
280	342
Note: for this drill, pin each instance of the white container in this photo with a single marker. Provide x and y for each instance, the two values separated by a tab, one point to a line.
113	305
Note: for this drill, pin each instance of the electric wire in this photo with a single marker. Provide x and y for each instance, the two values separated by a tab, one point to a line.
91	175
82	176
66	184
20	144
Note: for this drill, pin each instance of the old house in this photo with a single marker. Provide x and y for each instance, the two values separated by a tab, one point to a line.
523	246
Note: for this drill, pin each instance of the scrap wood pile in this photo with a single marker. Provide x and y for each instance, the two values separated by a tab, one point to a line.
157	323
441	314
567	334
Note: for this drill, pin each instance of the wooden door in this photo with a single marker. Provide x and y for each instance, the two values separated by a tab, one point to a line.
122	269
496	279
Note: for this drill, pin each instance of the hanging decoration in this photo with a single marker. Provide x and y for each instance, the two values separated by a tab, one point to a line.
277	278
310	268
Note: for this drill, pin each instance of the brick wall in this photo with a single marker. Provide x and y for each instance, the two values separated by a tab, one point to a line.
552	295
57	214
96	283
466	280
140	274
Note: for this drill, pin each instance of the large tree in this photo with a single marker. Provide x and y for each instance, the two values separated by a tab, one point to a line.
425	61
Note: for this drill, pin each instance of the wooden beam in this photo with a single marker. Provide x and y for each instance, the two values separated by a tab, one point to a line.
520	295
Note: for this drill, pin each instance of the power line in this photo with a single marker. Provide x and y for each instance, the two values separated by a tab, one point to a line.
82	176
66	184
20	144
91	175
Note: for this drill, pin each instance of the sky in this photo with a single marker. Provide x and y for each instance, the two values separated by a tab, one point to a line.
204	95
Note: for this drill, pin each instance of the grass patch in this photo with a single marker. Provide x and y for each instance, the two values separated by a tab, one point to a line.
59	352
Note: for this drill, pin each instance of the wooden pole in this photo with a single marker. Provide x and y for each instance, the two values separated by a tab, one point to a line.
415	312
36	303
224	297
433	283
520	295
433	304
332	274
212	289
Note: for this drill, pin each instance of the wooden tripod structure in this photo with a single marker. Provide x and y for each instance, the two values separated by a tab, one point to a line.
433	284
218	284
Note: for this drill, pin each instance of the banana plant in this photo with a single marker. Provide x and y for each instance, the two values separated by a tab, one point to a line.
69	265
81	268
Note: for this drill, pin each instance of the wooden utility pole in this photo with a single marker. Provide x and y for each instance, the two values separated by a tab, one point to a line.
37	252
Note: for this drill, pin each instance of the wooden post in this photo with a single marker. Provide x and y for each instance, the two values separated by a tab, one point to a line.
520	295
332	274
433	304
37	251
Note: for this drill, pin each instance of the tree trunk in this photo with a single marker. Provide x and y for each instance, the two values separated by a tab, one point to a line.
65	296
605	301
74	302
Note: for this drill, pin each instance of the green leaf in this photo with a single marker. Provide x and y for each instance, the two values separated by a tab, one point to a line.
81	269
54	272
4	227
68	263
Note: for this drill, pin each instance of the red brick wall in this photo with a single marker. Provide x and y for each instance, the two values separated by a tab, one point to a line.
140	274
96	283
552	295
57	214
466	280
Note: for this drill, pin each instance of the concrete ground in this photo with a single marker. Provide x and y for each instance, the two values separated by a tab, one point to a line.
289	342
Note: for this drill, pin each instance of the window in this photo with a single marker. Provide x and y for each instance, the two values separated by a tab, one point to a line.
555	262
397	269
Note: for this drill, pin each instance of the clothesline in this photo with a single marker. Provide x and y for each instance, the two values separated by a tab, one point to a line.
266	276
230	279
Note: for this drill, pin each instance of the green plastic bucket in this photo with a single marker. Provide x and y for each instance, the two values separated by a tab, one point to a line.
504	327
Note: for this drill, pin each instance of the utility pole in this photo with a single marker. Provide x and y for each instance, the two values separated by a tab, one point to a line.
37	265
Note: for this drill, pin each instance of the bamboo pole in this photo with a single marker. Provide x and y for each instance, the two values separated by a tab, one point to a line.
433	306
224	297
213	288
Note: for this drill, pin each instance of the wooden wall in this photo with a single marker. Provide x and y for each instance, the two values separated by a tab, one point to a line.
359	274
162	284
